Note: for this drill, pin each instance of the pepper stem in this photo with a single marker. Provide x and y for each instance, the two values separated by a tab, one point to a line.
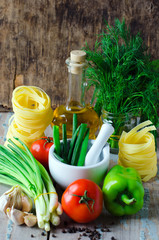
127	200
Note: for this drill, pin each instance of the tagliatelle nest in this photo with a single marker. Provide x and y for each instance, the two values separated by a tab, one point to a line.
137	150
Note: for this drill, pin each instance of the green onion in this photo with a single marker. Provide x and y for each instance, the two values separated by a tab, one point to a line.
64	136
56	138
76	153
58	157
19	167
83	152
78	144
75	123
72	143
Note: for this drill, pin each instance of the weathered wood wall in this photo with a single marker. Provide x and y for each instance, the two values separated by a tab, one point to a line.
36	37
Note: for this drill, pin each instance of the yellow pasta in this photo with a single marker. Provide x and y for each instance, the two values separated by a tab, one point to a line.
137	150
32	114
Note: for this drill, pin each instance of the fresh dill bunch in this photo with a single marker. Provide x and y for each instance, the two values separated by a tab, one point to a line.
121	72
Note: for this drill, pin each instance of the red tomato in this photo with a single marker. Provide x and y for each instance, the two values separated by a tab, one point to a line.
82	201
40	150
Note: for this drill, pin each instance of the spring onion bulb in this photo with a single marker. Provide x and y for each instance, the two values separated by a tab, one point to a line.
19	167
32	114
137	150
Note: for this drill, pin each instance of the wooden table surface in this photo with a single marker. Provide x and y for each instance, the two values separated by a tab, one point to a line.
142	226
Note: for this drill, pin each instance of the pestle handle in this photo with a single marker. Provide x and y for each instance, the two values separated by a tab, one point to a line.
95	150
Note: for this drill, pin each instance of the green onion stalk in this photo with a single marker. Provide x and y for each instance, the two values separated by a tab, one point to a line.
19	167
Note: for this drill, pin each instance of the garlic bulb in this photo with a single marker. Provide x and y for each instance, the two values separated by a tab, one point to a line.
17	205
11	198
17	198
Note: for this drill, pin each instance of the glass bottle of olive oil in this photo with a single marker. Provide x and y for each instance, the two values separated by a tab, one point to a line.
76	98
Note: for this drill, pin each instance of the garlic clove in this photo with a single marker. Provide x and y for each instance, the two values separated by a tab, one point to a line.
30	220
16	215
17	199
26	203
4	203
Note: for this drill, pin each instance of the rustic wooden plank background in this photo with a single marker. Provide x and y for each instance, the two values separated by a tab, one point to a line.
36	37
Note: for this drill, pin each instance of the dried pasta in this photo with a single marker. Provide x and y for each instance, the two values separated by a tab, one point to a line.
32	114
137	150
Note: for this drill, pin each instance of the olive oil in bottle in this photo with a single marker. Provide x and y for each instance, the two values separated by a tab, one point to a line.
76	98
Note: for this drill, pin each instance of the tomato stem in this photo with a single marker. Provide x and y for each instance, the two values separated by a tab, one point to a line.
85	199
47	140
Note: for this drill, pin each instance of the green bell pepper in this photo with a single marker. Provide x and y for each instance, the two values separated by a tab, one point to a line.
123	191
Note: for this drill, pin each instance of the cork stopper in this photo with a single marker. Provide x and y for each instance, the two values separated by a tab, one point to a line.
76	61
78	56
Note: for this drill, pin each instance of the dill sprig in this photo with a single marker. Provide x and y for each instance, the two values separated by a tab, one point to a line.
121	72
